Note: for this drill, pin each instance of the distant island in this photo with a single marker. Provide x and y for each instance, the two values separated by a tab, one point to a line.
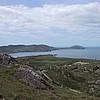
75	47
33	48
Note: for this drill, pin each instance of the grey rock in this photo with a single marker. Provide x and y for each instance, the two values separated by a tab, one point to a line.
98	82
97	72
31	78
91	91
6	60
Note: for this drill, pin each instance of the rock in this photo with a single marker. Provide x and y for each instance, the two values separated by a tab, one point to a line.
43	75
95	68
26	74
94	87
6	60
31	78
91	82
91	91
98	82
97	71
70	74
98	93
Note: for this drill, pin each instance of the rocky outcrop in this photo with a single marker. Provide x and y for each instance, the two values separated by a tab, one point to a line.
31	78
26	74
6	60
96	70
43	75
94	87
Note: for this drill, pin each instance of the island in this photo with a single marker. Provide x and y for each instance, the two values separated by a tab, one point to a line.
75	47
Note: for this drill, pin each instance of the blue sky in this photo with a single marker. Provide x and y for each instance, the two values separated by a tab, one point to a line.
33	3
53	22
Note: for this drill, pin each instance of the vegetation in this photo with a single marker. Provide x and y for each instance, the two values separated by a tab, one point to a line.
71	79
25	48
32	48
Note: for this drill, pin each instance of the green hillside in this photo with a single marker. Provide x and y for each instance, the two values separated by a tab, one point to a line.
25	48
72	79
33	48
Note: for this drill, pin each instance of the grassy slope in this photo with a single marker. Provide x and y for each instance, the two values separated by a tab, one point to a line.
12	89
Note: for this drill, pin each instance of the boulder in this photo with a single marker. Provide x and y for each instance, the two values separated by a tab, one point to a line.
6	60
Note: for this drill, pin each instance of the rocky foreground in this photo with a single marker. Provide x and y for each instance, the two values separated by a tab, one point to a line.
49	76
26	74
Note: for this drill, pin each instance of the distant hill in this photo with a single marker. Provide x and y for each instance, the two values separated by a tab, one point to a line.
26	48
33	48
76	47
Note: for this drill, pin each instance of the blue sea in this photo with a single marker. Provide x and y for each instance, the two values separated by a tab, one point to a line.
88	53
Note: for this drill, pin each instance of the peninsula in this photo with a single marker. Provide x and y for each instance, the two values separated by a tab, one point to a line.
33	48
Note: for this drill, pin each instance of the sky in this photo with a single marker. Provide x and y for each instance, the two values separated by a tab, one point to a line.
59	23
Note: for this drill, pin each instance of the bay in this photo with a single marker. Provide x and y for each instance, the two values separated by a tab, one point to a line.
88	53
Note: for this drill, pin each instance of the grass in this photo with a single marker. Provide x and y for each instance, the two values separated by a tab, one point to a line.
12	89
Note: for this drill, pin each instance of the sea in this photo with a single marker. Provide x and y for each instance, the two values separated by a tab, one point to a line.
87	53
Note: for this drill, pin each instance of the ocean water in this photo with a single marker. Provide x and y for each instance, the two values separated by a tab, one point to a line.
88	53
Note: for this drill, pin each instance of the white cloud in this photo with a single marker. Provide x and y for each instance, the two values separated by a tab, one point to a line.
76	18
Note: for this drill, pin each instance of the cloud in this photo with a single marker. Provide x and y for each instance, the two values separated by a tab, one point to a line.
75	19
